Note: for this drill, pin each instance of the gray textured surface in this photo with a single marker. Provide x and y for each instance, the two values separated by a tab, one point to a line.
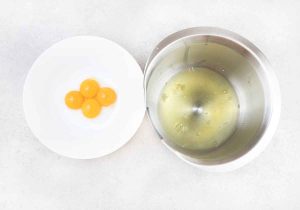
143	174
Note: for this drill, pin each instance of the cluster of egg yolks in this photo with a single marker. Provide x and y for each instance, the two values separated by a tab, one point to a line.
90	98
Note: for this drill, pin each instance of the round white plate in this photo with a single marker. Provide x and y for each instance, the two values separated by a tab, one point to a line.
62	68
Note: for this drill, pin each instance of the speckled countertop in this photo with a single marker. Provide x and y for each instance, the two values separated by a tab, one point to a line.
144	174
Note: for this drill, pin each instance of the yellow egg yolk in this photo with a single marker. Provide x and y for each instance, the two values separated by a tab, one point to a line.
74	99
89	88
106	96
91	108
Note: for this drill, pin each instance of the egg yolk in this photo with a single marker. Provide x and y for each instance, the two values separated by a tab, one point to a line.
91	108
106	96
74	99
89	88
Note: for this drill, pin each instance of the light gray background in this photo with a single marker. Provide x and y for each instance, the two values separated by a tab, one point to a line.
143	174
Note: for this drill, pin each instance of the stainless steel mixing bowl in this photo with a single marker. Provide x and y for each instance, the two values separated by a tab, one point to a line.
248	71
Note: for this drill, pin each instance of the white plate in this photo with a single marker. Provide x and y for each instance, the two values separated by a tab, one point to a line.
62	68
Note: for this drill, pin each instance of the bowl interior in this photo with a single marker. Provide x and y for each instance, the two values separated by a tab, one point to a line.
233	61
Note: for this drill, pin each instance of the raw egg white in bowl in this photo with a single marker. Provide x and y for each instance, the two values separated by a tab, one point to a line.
62	68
